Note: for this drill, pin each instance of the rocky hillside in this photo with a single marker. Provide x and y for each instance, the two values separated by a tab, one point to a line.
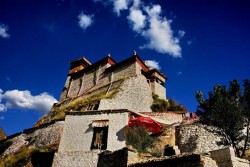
32	147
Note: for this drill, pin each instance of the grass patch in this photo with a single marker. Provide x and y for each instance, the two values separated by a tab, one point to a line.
20	158
79	104
85	102
82	104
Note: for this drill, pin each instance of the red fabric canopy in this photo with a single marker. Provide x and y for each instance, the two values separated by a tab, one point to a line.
146	122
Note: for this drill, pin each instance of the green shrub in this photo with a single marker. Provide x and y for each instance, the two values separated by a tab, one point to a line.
175	107
159	104
156	152
139	138
164	105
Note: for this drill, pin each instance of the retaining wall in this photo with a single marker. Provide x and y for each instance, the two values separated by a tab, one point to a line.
169	117
183	161
198	138
226	158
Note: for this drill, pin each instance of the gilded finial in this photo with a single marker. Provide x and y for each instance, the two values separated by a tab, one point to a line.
109	55
134	53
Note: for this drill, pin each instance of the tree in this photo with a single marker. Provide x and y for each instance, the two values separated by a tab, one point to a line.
245	100
228	109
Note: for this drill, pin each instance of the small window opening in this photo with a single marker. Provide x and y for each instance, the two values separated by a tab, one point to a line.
100	135
96	106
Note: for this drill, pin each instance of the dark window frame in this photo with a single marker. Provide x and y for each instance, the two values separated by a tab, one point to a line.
100	138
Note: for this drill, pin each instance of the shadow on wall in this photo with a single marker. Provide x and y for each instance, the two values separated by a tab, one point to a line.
224	140
120	134
184	161
90	129
112	159
42	159
192	140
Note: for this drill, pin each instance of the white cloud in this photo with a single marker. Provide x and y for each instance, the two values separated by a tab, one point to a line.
25	101
136	3
189	42
137	19
2	107
3	31
85	20
1	94
153	64
120	5
155	11
181	33
148	22
160	35
179	73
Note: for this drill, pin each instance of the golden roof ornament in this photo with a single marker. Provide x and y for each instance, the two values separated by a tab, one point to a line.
134	53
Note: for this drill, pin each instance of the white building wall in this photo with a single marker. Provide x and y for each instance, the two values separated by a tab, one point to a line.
65	88
97	77
74	86
78	131
89	80
124	71
158	89
134	95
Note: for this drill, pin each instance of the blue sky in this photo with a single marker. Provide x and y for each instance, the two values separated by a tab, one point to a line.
197	44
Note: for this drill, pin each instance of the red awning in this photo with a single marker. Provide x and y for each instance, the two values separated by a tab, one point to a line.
149	124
